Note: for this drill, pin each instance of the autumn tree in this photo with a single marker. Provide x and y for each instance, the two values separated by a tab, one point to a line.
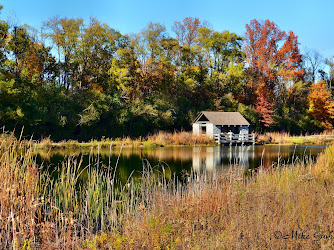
98	46
273	65
35	62
321	104
186	31
264	108
226	61
38	63
273	58
190	34
153	34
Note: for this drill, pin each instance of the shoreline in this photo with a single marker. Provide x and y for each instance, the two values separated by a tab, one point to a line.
294	140
176	139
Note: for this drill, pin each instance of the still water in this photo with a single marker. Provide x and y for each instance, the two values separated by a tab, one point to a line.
177	160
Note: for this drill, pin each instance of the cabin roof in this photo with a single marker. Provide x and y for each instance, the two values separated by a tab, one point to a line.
223	118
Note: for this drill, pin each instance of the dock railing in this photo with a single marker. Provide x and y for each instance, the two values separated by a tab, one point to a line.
232	138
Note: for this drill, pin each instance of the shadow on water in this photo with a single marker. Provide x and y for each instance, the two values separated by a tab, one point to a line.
177	160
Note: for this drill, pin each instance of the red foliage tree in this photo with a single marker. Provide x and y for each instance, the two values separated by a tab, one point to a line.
268	62
264	108
274	62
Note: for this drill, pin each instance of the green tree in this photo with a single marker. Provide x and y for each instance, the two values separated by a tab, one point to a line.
65	35
153	34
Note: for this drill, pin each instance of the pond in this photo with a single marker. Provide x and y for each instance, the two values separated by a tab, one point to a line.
177	160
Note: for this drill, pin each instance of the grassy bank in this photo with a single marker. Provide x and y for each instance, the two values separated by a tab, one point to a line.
165	139
228	211
155	140
324	138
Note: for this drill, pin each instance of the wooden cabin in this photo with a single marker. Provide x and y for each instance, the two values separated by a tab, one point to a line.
224	127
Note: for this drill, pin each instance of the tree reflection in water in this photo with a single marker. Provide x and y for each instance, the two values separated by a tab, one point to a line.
190	159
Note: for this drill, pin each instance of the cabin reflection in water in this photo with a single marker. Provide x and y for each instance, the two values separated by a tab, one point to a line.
221	159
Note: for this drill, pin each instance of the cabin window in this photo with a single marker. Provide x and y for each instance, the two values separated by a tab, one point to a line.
235	129
225	129
203	130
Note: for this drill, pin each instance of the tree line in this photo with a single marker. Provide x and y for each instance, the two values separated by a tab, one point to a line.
83	80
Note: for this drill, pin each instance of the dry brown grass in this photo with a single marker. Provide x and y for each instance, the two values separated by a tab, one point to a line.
227	211
37	210
238	212
273	138
179	138
19	179
324	138
158	139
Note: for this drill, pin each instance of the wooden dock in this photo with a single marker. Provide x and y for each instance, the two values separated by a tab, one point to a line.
231	138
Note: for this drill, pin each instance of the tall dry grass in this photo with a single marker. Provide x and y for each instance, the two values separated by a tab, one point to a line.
273	138
287	206
55	208
324	138
158	139
179	138
230	210
18	188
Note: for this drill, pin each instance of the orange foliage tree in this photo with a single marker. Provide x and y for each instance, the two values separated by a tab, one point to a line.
36	58
186	31
321	104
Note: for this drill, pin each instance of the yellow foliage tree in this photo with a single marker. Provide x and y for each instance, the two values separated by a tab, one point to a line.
321	104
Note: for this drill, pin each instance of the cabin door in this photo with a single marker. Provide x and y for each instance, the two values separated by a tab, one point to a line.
203	130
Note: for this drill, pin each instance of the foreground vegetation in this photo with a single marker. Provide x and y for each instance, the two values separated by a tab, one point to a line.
235	209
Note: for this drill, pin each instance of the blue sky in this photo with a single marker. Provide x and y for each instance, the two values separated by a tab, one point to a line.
312	21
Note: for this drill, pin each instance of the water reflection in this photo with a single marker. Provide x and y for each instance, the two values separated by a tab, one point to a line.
176	159
221	159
